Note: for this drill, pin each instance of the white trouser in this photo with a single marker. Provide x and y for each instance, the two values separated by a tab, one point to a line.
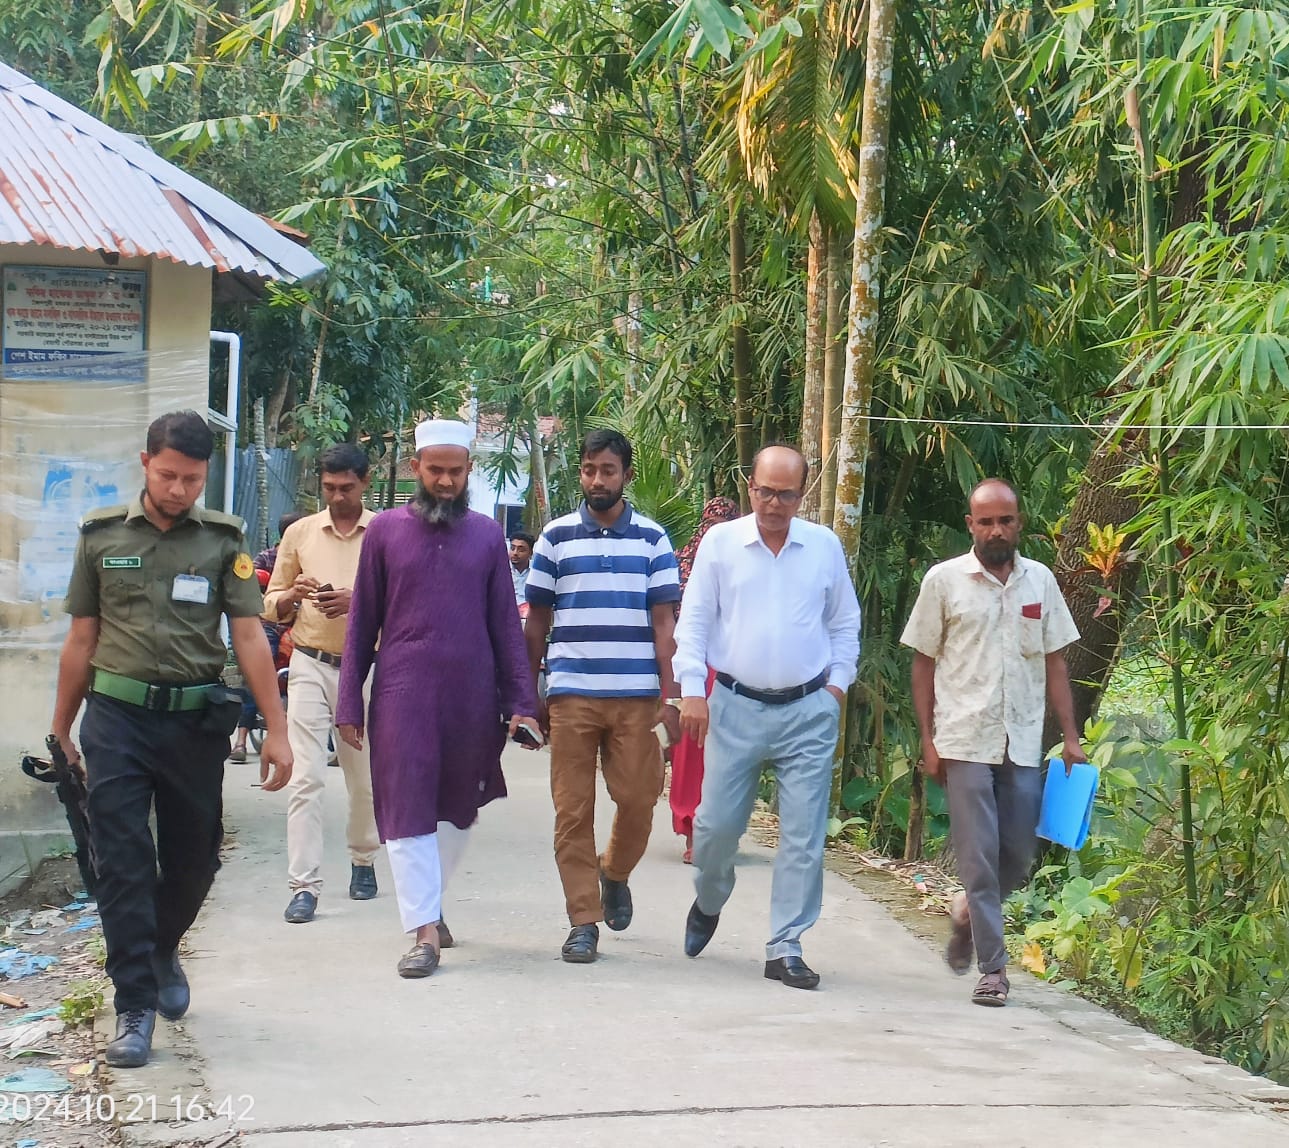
312	690
422	867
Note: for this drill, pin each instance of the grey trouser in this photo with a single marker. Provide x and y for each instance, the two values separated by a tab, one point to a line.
797	741
993	812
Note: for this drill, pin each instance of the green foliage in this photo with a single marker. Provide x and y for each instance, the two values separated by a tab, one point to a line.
527	204
1111	918
83	1000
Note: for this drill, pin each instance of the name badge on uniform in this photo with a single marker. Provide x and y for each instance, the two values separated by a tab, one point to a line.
191	588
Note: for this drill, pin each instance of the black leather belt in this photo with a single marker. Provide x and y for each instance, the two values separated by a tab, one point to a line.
775	697
320	656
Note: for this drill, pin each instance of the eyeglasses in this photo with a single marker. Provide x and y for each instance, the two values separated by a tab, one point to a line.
782	497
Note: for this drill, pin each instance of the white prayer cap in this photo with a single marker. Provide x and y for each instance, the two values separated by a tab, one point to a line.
444	432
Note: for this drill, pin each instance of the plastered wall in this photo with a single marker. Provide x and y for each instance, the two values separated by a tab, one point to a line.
64	447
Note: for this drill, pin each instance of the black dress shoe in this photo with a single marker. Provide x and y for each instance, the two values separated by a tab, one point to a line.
133	1043
362	882
582	945
615	900
172	985
699	929
301	909
793	972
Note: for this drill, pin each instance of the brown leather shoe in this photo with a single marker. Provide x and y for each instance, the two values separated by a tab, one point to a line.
446	940
421	961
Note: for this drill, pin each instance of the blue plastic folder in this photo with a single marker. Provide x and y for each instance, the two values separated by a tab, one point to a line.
1066	814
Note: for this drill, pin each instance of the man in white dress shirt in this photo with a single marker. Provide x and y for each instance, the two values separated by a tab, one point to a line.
771	607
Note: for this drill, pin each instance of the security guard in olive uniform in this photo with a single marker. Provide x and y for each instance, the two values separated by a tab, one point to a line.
150	583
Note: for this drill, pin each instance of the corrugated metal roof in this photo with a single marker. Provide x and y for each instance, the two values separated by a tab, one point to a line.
68	180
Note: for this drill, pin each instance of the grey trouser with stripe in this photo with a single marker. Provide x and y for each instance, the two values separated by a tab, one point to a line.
993	812
797	741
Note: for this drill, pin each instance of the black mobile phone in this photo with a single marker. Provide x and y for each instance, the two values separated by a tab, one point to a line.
327	589
524	736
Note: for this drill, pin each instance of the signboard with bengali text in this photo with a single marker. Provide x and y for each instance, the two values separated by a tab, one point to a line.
81	323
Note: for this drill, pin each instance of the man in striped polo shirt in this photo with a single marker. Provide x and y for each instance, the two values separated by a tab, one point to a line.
605	578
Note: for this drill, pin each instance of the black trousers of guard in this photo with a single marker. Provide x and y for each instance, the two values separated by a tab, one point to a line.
148	895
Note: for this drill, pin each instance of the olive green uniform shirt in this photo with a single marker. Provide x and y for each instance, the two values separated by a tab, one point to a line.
125	574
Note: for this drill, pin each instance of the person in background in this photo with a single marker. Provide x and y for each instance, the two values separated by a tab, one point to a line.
521	557
150	584
311	588
687	755
450	681
987	631
264	562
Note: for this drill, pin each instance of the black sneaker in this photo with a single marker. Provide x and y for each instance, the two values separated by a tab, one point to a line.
301	909
133	1043
582	945
173	996
615	900
362	882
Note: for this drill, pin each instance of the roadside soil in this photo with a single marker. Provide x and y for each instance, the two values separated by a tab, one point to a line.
50	916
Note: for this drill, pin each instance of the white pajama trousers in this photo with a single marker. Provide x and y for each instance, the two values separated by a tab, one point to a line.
422	867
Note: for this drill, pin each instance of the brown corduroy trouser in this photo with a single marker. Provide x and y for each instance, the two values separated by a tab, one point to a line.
620	732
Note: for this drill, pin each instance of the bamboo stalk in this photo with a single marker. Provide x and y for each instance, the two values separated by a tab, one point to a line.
1139	120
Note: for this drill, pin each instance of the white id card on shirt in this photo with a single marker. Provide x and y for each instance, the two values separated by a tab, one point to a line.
191	588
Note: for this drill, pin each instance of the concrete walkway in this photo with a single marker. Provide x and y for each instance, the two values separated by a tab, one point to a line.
307	1032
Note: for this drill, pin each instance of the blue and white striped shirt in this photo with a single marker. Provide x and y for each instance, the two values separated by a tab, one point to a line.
602	583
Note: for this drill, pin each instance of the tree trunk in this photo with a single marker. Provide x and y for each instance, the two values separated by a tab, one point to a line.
686	156
865	293
1102	501
261	478
865	285
276	405
916	832
635	305
391	487
812	395
834	371
315	376
537	474
744	426
201	29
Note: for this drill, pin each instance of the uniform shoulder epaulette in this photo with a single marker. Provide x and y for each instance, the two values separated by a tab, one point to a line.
102	516
232	522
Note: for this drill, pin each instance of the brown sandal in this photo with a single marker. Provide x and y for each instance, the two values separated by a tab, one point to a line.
992	990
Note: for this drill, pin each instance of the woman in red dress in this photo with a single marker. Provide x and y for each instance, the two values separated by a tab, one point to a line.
686	756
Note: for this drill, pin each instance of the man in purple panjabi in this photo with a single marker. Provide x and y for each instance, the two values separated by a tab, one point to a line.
434	590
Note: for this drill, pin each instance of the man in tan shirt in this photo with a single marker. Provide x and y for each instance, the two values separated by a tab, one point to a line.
311	587
987	632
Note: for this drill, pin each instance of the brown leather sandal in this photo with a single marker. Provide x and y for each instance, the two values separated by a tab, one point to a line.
992	990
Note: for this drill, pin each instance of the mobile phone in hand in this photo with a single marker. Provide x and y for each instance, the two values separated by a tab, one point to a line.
327	589
524	736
